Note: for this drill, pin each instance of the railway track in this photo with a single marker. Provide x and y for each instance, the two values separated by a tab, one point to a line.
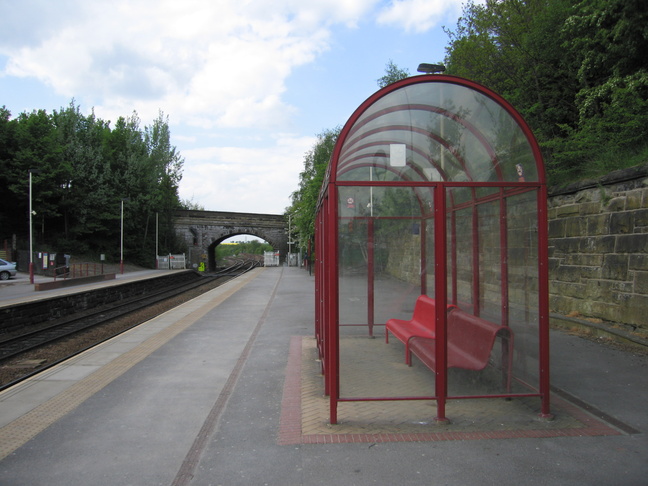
134	311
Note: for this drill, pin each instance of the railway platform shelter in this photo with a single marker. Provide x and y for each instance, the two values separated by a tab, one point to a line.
436	188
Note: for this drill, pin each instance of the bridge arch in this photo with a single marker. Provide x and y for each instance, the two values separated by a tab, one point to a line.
204	230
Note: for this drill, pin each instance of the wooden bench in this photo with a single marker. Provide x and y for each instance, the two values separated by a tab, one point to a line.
470	342
421	324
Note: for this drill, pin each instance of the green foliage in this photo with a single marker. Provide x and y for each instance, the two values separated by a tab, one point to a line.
392	74
191	205
85	170
253	247
575	69
304	200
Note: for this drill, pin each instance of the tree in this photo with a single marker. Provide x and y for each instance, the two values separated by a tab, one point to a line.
10	215
85	170
304	199
575	69
392	74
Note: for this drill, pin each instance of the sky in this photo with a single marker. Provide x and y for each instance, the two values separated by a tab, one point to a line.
247	85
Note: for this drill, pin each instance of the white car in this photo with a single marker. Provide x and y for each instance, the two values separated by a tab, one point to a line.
7	269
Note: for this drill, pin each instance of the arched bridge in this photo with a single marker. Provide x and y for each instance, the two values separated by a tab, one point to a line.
204	230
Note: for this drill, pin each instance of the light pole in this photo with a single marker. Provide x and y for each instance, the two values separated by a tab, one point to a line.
157	237
121	258
31	231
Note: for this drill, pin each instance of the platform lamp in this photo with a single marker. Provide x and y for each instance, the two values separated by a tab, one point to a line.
31	231
121	258
430	68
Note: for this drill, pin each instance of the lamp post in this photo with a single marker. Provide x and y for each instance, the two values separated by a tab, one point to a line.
157	238
31	231
121	258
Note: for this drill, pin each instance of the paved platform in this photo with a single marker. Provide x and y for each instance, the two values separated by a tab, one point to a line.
226	390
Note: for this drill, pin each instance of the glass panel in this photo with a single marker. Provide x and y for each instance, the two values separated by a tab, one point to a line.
462	241
493	337
489	299
443	131
382	269
523	289
352	254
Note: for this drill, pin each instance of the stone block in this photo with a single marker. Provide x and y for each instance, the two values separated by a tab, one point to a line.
606	290
634	199
590	208
615	267
557	228
640	217
591	272
598	224
575	226
567	273
570	210
621	223
561	304
603	310
635	243
638	262
596	244
567	289
615	204
634	311
554	263
641	284
566	245
590	260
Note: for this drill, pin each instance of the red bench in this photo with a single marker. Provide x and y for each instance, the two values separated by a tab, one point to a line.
470	342
421	324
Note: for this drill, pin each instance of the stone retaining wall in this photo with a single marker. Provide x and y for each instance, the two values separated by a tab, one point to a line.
598	249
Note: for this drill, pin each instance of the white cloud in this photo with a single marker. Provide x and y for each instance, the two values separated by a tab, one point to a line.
241	179
217	68
208	63
418	15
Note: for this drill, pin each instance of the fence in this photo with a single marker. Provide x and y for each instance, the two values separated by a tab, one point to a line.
271	258
171	262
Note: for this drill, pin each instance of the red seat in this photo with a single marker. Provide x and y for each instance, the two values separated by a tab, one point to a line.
421	324
470	342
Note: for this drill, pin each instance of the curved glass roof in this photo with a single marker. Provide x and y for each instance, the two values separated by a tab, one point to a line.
437	128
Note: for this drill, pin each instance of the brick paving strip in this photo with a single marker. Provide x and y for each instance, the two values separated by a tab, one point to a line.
304	413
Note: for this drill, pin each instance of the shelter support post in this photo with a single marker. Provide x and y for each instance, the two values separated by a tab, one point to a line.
543	301
440	269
